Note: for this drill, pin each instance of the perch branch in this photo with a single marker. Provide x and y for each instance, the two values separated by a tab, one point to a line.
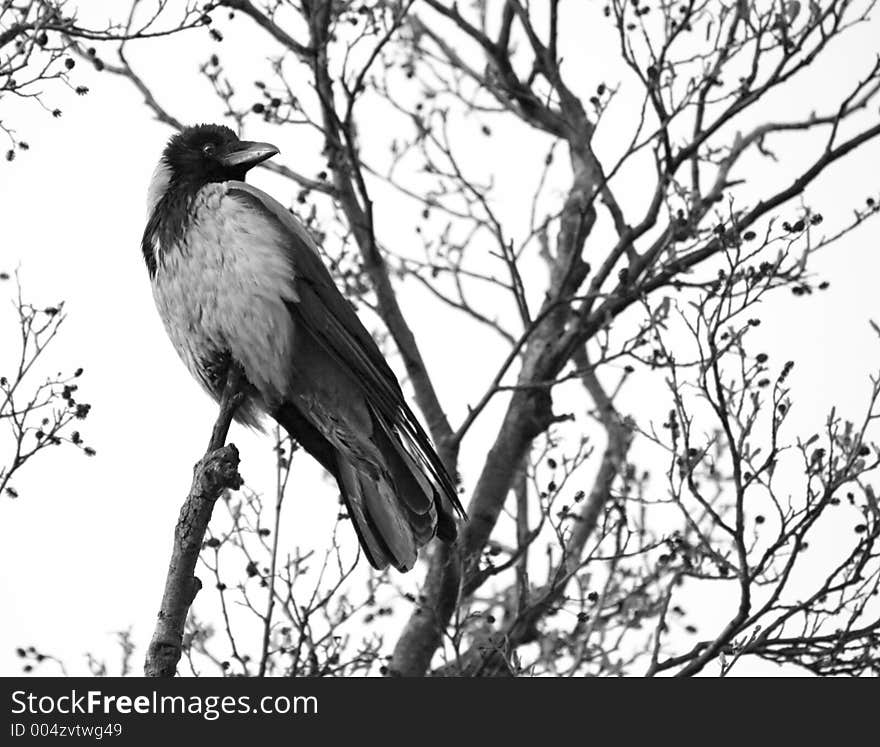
216	471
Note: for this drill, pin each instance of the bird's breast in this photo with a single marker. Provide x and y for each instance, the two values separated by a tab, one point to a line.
221	286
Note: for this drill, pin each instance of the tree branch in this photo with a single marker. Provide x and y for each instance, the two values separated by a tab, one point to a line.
215	472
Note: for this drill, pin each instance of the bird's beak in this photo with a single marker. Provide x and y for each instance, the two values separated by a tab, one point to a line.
246	154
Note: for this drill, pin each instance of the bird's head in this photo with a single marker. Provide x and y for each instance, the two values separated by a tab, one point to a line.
213	153
204	154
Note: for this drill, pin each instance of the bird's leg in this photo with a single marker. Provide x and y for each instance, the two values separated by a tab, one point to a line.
230	399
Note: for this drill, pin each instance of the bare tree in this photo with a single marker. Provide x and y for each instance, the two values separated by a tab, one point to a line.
37	38
37	411
589	293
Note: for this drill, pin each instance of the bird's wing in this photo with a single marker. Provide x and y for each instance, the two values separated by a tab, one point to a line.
332	321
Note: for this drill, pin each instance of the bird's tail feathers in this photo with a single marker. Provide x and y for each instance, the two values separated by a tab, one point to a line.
414	475
381	524
394	503
394	498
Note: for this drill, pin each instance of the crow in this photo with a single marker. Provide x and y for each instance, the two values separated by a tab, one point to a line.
239	281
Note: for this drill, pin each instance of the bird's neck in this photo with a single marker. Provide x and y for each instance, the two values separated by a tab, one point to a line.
171	203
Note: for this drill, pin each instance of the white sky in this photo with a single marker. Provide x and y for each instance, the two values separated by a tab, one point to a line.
84	550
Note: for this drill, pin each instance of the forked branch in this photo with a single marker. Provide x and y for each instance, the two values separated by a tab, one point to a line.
215	472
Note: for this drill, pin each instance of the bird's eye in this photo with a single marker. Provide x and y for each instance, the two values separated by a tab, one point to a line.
208	149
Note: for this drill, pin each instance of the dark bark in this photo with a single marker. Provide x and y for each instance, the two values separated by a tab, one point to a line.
215	472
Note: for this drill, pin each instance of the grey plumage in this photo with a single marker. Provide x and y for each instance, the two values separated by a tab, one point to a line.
236	278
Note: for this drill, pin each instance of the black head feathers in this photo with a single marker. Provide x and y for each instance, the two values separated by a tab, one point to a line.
191	154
